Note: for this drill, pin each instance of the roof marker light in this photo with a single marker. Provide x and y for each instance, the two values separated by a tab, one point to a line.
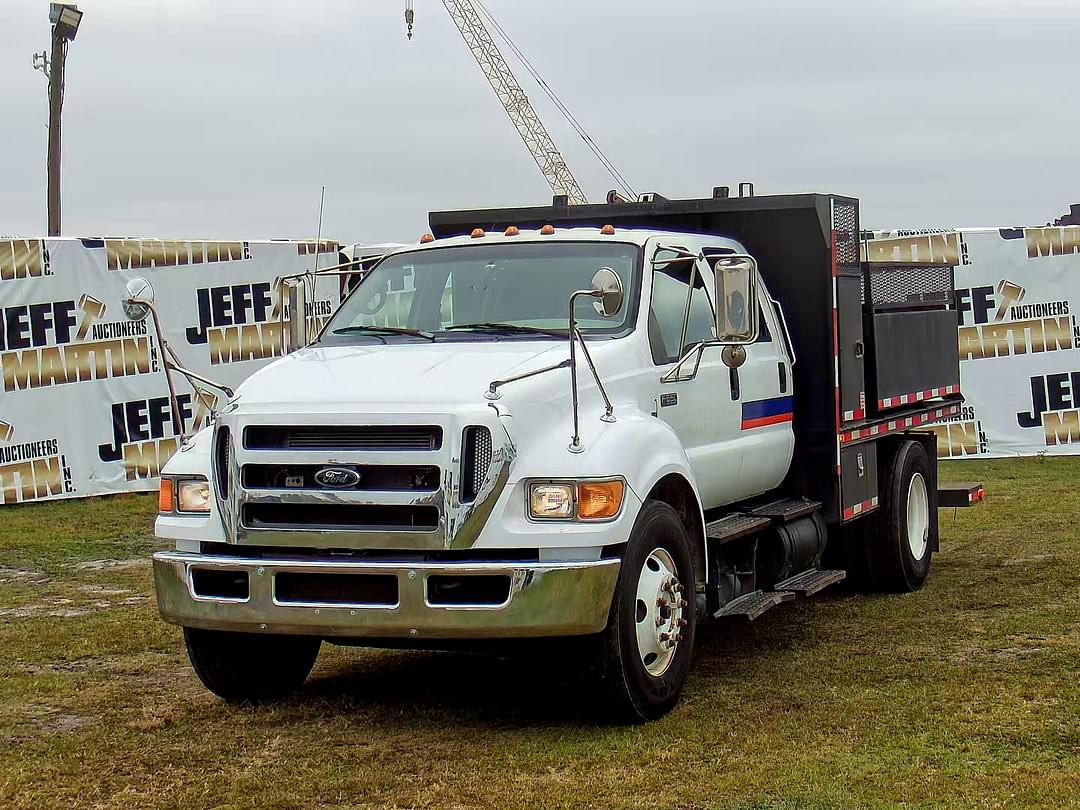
608	230
427	237
547	230
513	230
477	233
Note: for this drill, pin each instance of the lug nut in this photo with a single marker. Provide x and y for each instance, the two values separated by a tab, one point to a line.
680	622
660	602
683	603
659	621
665	636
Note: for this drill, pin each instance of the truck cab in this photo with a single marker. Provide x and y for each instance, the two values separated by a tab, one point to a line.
550	423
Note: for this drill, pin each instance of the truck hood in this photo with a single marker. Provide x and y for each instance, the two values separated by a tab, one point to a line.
410	376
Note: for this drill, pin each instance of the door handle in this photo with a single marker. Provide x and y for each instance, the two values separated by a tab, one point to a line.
781	370
860	348
733	374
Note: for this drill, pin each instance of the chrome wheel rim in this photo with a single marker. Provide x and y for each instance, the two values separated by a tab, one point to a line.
918	516
658	612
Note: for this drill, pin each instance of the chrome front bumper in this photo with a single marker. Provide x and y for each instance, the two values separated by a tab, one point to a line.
545	599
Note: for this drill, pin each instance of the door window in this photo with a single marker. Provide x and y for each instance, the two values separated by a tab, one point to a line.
671	295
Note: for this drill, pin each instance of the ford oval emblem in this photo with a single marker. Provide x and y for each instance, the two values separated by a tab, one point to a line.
337	477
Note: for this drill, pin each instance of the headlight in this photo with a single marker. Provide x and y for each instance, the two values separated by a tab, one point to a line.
193	496
551	501
581	500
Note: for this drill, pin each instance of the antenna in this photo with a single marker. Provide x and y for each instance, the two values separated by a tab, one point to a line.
311	282
318	233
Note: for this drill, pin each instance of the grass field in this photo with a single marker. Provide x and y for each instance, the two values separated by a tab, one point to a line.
966	694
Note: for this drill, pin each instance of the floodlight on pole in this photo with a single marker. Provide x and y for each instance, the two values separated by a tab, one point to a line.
65	19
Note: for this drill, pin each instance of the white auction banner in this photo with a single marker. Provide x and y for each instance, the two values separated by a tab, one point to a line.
1016	291
85	407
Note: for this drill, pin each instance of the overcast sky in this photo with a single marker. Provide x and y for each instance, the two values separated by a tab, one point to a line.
222	118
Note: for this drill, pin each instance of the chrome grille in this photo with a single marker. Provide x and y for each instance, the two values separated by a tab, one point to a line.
475	461
385	491
343	437
337	516
221	461
383	477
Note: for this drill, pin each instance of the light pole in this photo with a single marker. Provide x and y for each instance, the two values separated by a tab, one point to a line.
65	19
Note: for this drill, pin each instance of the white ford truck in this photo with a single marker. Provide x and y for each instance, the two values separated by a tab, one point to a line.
605	421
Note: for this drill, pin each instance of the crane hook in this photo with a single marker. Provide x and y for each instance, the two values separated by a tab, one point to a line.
409	16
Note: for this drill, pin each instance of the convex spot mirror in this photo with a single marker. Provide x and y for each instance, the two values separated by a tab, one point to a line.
608	289
736	299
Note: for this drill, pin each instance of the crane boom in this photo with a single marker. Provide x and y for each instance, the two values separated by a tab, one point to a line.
514	101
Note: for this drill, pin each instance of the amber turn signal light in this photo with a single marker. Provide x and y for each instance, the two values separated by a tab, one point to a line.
427	237
166	497
599	499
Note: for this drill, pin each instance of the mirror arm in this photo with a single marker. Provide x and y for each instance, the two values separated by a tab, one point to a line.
689	303
493	392
171	361
191	375
608	407
696	349
575	336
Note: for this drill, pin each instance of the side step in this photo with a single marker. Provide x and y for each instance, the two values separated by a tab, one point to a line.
785	510
810	582
752	605
733	526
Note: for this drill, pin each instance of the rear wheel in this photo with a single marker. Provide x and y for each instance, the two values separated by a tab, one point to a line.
644	655
902	536
245	667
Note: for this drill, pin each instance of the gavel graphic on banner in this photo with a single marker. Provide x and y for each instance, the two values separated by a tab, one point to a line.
1010	293
92	310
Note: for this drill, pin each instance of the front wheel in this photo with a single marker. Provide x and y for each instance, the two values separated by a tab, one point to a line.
246	667
645	652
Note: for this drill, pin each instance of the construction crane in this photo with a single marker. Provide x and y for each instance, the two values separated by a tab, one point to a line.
537	140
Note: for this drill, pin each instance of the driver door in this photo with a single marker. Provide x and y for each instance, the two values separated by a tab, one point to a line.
698	404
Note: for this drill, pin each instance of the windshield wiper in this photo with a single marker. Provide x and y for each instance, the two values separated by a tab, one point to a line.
491	326
384	330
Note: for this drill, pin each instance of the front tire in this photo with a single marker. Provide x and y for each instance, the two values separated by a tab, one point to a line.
248	668
645	653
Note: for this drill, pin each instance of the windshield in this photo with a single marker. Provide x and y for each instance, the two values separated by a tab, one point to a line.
497	289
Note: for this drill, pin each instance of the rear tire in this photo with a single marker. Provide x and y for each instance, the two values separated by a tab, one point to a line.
902	536
644	655
248	668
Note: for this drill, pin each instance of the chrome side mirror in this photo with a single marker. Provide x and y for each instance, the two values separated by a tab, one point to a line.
736	299
139	296
607	287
